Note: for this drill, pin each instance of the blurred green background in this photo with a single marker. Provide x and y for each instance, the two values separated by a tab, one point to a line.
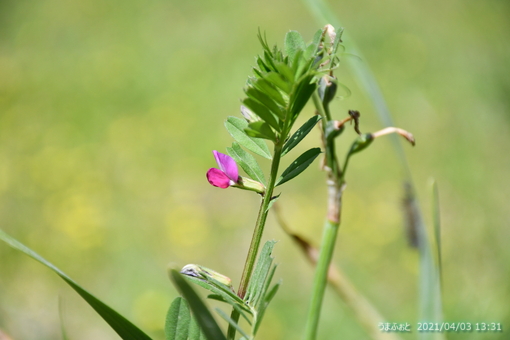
109	111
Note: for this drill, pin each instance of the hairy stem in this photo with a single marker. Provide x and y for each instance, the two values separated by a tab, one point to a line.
257	235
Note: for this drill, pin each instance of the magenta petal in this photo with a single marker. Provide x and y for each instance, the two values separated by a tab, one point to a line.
218	178
227	165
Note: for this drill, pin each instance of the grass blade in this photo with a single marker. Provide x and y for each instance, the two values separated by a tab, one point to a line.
124	328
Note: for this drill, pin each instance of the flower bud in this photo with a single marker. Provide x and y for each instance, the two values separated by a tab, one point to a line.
251	185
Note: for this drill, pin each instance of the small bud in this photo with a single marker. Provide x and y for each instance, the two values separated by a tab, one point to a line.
327	89
361	143
335	127
249	184
330	30
204	274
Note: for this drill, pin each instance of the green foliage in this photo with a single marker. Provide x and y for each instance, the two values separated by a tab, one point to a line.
125	329
247	162
299	165
236	126
180	325
258	296
201	313
294	43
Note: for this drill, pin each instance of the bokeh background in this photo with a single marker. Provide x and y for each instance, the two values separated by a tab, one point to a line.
109	111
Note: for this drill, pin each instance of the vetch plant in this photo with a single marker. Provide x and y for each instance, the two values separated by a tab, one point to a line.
283	81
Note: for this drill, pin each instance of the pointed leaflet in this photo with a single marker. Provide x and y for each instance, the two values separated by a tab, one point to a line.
201	313
300	134
194	331
293	43
278	81
257	282
303	92
260	130
312	48
235	126
222	291
177	320
262	111
247	162
263	305
264	99
299	165
270	90
232	322
125	329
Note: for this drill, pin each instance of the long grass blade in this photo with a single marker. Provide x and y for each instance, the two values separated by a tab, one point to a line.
125	329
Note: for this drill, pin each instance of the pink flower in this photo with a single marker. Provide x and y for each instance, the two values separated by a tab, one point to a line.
227	174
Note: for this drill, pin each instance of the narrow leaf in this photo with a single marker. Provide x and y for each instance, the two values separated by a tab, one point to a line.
278	81
262	309
194	330
177	320
273	201
300	134
264	99
247	162
201	313
125	329
286	72
262	111
299	165
313	47
270	90
232	322
257	282
235	126
260	130
302	94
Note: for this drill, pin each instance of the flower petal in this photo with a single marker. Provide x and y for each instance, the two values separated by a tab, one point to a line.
227	165
218	178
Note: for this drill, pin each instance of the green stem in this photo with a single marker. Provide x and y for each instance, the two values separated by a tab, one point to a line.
335	188
321	278
257	234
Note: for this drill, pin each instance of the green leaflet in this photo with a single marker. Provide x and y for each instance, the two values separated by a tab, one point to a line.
235	126
258	279
264	99
303	92
260	130
180	325
177	320
293	43
300	134
247	162
262	111
270	90
299	165
201	313
125	329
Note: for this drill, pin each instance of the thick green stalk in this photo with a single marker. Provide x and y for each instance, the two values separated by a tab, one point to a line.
335	188
257	234
321	278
